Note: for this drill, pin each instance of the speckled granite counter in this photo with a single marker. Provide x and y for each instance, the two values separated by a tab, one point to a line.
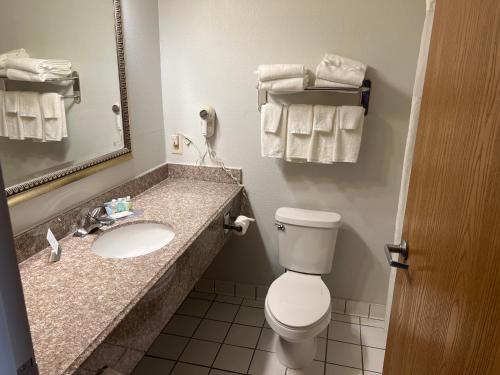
75	304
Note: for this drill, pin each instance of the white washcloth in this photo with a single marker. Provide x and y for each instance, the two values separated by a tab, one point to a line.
273	144
300	119
324	83
346	142
10	54
271	117
54	117
285	85
341	70
3	125
11	118
280	71
61	67
323	118
351	117
21	75
30	116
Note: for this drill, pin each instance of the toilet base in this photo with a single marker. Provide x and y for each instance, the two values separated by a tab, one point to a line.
296	354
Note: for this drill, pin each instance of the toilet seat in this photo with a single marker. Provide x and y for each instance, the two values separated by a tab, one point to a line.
298	301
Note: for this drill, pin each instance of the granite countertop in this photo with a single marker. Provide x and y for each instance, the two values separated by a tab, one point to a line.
74	304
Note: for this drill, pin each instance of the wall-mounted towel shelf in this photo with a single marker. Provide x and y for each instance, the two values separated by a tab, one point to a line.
75	78
363	91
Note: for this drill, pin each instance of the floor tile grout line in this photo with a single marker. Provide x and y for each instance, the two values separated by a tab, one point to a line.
253	353
361	349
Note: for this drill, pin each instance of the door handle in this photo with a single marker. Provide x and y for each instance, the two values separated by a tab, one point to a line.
398	249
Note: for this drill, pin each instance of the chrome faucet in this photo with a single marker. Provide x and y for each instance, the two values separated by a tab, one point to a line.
94	219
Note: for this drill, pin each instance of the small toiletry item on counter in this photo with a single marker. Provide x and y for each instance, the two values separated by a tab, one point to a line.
55	253
119	208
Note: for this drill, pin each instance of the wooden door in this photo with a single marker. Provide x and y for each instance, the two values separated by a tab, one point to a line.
446	311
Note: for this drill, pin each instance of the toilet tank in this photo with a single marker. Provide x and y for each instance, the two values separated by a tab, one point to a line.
306	239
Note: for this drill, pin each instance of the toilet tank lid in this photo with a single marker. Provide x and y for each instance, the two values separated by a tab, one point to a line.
308	218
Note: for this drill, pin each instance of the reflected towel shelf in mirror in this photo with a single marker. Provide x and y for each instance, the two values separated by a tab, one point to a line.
75	82
364	92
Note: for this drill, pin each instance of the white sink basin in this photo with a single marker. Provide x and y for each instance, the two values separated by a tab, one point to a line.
133	240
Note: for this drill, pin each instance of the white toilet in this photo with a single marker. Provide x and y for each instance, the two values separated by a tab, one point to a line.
298	302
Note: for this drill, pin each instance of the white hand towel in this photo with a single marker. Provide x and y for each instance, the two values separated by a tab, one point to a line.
271	117
62	67
280	71
11	118
30	116
21	75
324	83
273	144
54	117
14	53
323	117
346	142
351	117
285	85
300	119
3	125
341	69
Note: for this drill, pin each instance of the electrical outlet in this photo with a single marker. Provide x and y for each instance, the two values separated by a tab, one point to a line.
176	143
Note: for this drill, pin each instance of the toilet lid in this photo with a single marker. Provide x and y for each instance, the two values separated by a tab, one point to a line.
298	300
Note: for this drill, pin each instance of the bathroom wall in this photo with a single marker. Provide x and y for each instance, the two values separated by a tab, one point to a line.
209	51
30	24
146	119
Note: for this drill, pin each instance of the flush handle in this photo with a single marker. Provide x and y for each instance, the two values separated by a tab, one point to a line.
398	249
280	226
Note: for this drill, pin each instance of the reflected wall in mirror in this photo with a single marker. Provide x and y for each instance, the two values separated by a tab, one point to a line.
62	90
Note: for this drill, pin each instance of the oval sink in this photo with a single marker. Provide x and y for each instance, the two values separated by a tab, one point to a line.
133	240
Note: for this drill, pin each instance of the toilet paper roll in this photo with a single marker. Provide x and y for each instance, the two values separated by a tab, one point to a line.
244	223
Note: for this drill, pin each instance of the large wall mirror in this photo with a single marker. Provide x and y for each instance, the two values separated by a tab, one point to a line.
63	98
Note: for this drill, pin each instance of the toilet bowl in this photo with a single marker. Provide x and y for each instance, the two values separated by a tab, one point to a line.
297	304
298	309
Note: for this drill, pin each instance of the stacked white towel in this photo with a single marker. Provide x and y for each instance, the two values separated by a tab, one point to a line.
36	70
282	77
338	71
41	117
12	54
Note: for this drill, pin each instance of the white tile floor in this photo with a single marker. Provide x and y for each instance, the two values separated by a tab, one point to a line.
224	334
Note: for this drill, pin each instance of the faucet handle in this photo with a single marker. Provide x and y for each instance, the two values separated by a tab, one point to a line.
100	214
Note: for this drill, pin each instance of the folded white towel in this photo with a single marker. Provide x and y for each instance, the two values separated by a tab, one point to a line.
3	72
346	142
21	75
323	118
285	85
60	67
351	117
300	119
271	117
341	70
273	143
54	117
3	125
30	116
280	71
11	117
321	148
324	83
14	53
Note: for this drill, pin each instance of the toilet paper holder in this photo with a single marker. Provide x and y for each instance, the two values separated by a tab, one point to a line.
237	228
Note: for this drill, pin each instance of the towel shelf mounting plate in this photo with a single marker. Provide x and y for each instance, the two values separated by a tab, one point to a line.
364	92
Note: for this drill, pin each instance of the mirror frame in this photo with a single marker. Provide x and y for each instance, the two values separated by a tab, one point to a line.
40	185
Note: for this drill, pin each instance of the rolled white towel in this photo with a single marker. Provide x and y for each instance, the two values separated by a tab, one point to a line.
341	70
61	67
21	52
279	71
284	85
325	83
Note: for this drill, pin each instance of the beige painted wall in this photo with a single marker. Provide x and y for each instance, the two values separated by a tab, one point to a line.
146	118
209	51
